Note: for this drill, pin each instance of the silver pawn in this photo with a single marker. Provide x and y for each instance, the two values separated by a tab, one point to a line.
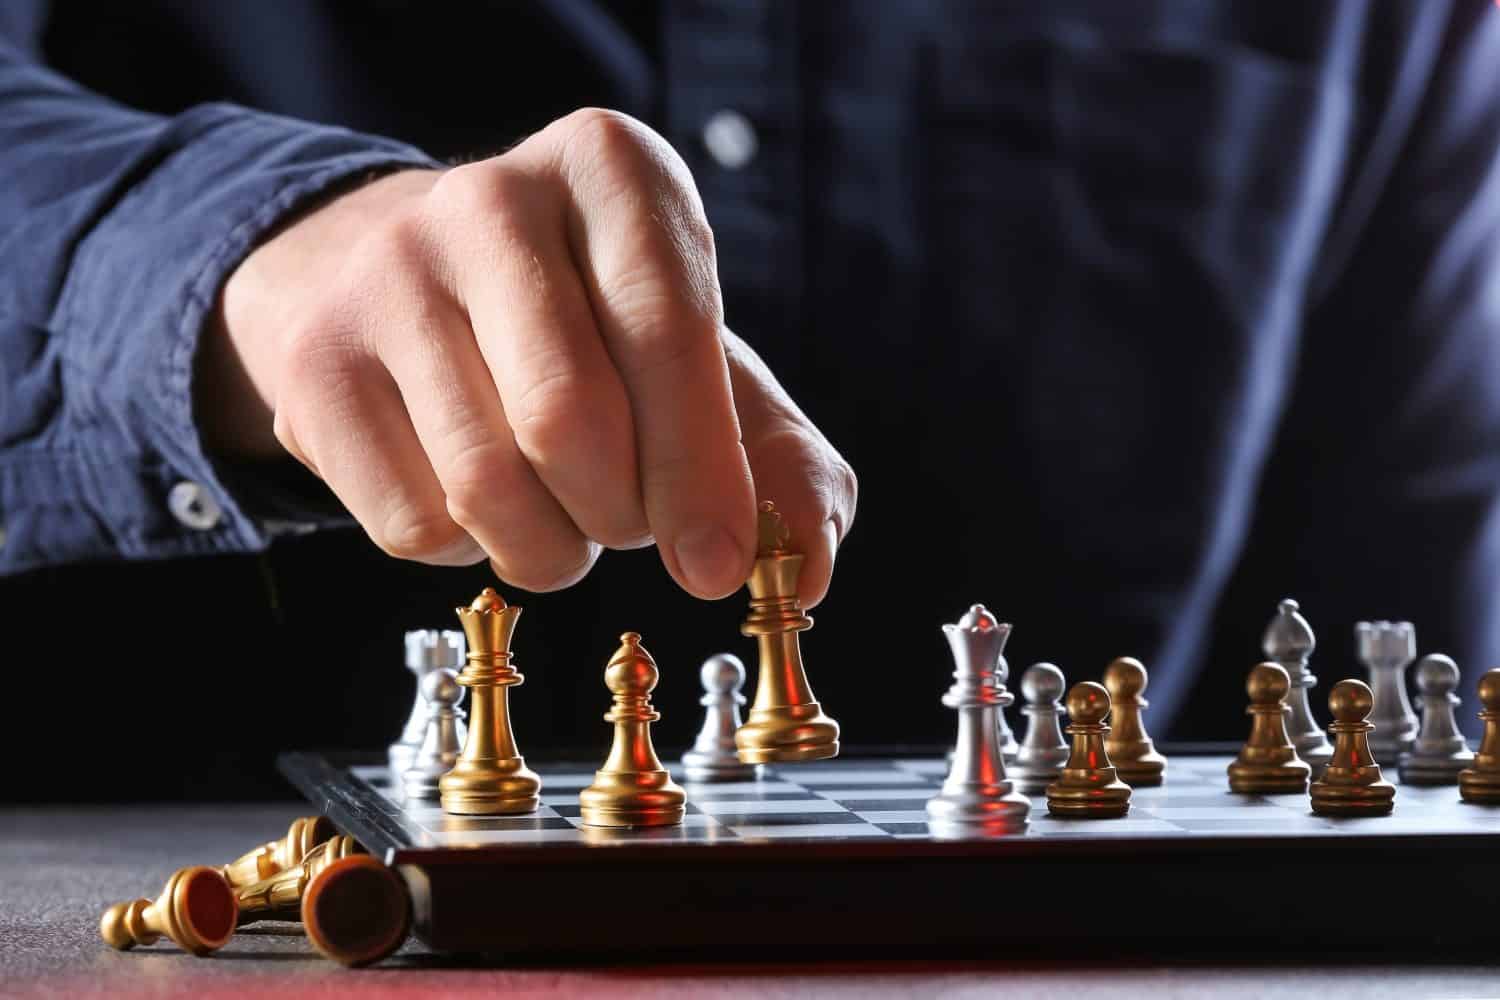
1043	752
1288	643
1387	649
426	649
442	739
1440	751
977	797
713	757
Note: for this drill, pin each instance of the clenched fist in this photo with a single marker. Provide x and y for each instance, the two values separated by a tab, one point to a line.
523	359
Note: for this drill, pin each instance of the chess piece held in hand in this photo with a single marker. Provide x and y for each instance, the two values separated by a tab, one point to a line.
1351	784
1480	784
196	911
1268	764
632	788
786	723
1088	787
1130	749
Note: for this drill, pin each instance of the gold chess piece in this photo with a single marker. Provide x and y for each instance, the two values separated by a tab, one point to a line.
786	724
490	776
1088	787
1135	757
1480	784
196	911
306	832
632	788
1268	764
353	909
1351	784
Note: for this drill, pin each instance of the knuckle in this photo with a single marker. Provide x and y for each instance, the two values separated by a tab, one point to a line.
413	531
472	480
665	331
489	188
601	137
549	415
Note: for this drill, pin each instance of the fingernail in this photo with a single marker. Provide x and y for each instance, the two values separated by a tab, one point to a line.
462	552
711	561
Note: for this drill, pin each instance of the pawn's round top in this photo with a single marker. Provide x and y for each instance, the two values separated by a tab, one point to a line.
1289	636
1437	674
978	617
1350	701
488	600
1267	684
441	687
1042	684
1489	690
1125	678
722	673
1088	703
631	670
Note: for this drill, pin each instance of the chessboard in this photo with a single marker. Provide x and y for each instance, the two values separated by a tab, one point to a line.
836	858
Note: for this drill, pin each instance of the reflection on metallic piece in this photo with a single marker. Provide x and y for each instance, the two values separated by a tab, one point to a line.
1386	649
1043	751
713	757
1289	642
280	896
426	650
1130	749
441	740
1440	752
1088	787
490	777
1008	745
1351	784
196	911
786	723
1480	784
1268	764
632	788
977	792
278	855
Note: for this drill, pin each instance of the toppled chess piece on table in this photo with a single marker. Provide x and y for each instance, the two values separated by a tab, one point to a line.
1130	749
713	756
1043	751
426	650
1088	787
1268	764
786	723
977	796
1387	649
1289	643
1440	751
442	738
490	778
632	788
1351	783
266	860
1480	784
353	909
196	911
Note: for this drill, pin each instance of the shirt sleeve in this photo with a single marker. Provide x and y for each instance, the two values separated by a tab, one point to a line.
117	229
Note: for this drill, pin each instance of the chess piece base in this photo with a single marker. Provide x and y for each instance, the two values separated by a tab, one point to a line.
196	910
995	807
1088	801
1146	771
1434	771
787	734
356	911
1479	787
706	768
636	798
1376	799
1316	752
490	788
1269	779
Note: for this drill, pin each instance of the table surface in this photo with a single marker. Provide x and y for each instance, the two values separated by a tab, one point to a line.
60	867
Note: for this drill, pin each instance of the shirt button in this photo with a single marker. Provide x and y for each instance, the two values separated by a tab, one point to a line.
191	505
730	139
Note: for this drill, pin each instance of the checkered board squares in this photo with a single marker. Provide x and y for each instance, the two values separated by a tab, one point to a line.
870	798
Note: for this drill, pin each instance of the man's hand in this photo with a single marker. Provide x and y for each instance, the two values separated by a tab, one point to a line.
523	359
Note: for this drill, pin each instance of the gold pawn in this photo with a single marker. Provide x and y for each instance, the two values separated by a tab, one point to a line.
279	896
196	911
1135	757
305	833
786	724
632	788
1088	787
1480	784
490	776
1351	784
1268	764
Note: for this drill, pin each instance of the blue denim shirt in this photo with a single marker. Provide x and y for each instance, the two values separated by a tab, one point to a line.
1086	291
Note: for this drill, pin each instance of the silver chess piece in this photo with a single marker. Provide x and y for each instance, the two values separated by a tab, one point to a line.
442	739
426	649
1387	649
1008	745
1440	751
1288	643
713	756
977	797
1043	752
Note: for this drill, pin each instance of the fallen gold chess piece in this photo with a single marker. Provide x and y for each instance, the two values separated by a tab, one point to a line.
305	833
196	910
